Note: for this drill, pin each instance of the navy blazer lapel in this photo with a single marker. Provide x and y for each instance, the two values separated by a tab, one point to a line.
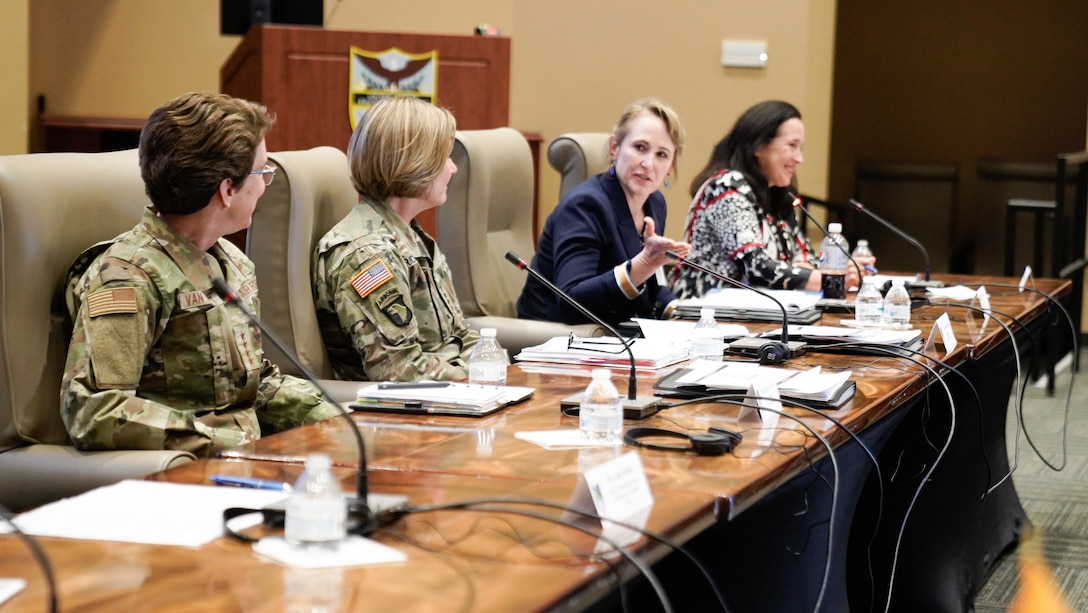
625	228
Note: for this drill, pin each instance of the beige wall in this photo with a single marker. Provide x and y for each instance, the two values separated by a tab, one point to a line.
15	75
575	65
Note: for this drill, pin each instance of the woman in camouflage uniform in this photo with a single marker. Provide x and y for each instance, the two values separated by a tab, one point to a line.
383	291
156	359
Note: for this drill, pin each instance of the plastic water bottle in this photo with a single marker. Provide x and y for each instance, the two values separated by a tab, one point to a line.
316	511
862	249
487	364
600	416
869	305
833	262
707	339
897	306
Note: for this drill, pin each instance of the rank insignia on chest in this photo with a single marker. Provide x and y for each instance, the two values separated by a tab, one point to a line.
371	278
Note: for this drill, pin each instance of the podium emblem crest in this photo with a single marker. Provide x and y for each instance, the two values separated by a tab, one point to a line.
378	74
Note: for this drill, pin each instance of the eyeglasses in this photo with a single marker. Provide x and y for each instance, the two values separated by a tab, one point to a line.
267	173
602	345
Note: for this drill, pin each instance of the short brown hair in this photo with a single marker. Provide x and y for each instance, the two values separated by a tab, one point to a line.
400	147
190	144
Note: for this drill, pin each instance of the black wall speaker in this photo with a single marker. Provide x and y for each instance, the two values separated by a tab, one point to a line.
235	16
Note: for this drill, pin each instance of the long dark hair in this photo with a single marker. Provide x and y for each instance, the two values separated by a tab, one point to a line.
737	151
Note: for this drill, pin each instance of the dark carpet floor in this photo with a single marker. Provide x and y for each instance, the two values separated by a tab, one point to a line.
1056	501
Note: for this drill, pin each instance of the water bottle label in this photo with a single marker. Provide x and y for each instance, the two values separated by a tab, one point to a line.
707	349
600	421
487	374
313	521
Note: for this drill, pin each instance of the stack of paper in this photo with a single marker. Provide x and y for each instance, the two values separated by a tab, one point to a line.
607	352
812	385
743	304
439	397
830	335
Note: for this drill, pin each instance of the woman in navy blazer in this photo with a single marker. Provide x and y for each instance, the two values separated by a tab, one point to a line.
600	244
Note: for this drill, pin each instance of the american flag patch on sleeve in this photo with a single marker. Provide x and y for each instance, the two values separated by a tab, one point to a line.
111	301
371	278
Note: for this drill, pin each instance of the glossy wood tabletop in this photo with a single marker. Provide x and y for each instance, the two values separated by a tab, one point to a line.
487	561
486	447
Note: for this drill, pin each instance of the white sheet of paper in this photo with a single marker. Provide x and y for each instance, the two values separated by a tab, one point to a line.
955	292
562	439
149	512
680	329
353	551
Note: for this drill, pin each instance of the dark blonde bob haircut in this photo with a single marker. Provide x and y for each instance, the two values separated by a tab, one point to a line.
400	147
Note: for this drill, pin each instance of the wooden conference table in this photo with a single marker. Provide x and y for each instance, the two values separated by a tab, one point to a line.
760	517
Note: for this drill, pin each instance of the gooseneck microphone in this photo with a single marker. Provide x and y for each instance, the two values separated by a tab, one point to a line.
798	203
633	404
360	519
768	352
910	239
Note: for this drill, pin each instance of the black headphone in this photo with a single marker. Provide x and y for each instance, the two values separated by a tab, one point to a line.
773	352
715	441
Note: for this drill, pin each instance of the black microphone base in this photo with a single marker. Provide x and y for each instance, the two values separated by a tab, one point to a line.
639	408
374	513
925	284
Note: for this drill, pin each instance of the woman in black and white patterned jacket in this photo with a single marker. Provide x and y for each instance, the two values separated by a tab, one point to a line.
741	221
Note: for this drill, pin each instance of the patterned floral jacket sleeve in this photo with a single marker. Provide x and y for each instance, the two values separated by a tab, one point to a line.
728	233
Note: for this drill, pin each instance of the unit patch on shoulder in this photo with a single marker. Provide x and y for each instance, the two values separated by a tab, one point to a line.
111	301
395	309
371	278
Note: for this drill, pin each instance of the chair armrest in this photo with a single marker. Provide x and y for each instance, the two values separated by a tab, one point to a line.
36	474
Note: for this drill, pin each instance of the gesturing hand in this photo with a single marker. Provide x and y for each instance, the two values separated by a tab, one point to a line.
655	246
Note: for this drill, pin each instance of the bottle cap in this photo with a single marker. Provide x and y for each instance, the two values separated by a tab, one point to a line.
862	241
488	332
601	373
897	282
834	227
318	461
706	313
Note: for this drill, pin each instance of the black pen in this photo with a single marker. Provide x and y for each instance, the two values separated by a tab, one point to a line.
410	385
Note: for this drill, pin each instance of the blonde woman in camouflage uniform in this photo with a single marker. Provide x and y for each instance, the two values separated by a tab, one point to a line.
157	360
383	292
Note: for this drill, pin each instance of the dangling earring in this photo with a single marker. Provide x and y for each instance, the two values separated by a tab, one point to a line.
612	168
667	184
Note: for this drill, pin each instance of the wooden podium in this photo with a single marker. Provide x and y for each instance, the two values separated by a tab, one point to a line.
301	73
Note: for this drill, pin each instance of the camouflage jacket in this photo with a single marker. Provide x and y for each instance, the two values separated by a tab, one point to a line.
385	301
158	361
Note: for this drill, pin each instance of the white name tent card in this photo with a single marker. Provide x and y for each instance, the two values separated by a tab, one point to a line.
943	328
615	490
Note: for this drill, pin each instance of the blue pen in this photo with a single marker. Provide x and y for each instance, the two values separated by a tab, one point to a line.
871	269
261	484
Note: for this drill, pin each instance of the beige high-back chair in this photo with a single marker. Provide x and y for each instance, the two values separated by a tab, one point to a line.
312	191
576	156
52	207
488	212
